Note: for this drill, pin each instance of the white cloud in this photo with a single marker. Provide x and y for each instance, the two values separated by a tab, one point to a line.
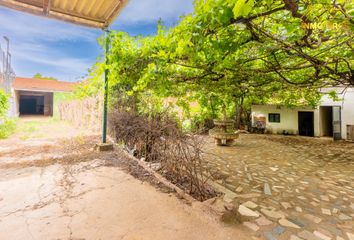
62	66
43	45
147	11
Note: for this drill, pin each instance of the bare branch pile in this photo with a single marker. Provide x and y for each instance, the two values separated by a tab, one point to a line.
158	139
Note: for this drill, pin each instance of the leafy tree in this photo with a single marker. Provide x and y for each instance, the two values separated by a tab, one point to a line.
237	53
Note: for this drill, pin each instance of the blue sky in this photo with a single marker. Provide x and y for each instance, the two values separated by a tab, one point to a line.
65	51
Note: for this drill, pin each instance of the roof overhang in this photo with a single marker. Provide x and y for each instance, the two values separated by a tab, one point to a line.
41	85
90	13
39	90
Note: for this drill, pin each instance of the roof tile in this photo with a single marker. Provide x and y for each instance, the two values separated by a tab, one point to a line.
34	84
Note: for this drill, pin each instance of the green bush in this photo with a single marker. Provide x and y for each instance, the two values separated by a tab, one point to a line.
7	127
3	103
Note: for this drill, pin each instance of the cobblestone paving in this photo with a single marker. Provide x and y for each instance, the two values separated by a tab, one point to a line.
289	187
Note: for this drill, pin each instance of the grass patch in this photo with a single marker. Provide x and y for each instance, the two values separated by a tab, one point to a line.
29	127
80	140
24	137
34	128
7	128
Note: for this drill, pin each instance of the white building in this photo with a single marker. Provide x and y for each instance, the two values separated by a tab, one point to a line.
33	96
329	119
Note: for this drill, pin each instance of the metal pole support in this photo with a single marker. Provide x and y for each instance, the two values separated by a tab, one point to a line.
106	72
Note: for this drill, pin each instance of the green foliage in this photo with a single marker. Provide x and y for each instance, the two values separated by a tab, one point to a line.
7	127
93	85
40	76
236	53
3	103
242	8
334	96
30	126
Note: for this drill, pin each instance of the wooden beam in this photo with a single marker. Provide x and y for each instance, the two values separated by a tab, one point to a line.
76	20
73	5
80	6
76	15
66	17
36	3
83	17
88	8
97	8
119	7
22	7
46	7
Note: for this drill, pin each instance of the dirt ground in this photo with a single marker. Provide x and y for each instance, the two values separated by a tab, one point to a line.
53	185
31	127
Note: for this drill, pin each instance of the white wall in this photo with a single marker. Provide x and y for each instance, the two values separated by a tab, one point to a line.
346	103
288	118
13	106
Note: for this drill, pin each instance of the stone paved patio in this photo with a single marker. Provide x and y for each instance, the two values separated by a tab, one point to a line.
289	187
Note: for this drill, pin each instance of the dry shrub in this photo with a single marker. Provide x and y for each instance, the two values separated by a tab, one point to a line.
158	139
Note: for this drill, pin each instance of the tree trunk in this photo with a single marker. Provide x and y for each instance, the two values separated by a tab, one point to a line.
239	110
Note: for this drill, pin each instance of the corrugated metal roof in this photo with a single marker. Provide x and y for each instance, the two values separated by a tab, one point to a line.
43	85
92	13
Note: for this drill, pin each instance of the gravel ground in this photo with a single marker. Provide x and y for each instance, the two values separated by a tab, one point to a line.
298	187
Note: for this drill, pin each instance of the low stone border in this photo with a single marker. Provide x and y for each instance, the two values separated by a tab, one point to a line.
216	206
162	179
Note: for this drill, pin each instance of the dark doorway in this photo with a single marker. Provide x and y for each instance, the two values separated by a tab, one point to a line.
33	105
306	124
326	114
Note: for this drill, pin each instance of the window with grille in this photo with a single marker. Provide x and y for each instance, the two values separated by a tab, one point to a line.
274	117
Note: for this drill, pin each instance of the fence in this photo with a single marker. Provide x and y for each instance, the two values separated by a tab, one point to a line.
86	113
7	75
